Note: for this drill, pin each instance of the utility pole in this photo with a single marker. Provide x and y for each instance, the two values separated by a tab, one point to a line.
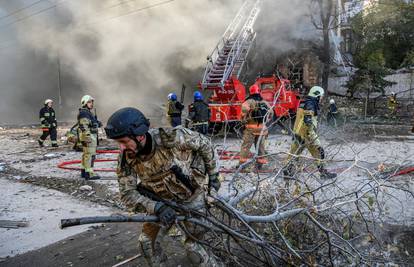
59	84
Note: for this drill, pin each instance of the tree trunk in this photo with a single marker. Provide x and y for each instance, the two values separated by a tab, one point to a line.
327	58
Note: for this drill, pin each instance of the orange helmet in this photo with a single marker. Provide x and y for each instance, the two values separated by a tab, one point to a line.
254	89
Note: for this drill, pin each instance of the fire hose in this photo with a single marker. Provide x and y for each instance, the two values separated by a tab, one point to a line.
68	165
224	155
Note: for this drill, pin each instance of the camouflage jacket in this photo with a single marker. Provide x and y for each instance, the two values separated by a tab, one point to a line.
190	151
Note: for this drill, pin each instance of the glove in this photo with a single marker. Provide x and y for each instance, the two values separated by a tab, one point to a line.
307	120
87	140
100	124
214	182
166	214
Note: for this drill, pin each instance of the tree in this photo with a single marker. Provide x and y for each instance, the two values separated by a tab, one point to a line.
369	77
389	26
383	41
325	21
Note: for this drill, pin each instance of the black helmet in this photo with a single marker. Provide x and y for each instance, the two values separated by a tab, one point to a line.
126	122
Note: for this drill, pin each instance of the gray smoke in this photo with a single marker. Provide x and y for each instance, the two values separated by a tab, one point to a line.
125	55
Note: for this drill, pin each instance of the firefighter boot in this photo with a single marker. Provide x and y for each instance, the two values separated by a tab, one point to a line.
91	176
40	143
326	175
55	145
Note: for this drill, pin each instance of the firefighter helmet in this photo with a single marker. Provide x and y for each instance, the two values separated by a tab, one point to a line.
126	122
316	91
47	101
198	95
254	89
172	96
85	99
331	101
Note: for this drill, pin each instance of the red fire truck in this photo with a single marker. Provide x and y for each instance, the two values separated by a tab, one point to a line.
225	65
278	94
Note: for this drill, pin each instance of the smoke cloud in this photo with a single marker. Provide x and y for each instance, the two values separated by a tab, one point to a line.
126	54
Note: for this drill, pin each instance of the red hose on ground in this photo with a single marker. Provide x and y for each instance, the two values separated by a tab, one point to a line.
65	165
404	171
108	151
225	155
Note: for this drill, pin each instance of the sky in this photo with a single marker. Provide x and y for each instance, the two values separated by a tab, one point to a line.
122	52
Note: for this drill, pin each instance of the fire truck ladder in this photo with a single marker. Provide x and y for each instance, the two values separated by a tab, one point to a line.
229	56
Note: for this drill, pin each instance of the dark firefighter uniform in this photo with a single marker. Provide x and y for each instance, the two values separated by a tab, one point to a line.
88	136
49	125
304	129
199	114
255	132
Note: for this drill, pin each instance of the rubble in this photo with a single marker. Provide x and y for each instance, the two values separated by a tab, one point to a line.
378	152
85	188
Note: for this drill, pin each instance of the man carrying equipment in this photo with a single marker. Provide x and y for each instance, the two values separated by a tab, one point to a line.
255	113
305	127
88	126
171	164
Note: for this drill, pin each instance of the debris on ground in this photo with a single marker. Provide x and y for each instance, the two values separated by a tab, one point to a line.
13	224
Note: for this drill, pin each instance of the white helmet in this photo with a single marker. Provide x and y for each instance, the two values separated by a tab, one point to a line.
47	101
85	99
332	101
316	91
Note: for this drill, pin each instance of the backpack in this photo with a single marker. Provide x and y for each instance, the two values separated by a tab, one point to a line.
260	111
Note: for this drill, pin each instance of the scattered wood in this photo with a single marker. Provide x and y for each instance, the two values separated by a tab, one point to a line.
127	260
13	224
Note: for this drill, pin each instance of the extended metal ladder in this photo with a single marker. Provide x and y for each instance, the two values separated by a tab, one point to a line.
229	56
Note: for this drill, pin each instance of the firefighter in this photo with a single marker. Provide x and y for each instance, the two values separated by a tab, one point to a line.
255	113
199	113
88	126
305	134
174	110
333	112
392	105
174	164
48	123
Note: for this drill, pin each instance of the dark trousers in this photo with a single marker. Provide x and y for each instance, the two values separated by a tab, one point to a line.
53	135
175	121
202	128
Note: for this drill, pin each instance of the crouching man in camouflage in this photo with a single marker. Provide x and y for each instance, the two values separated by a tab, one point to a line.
173	164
